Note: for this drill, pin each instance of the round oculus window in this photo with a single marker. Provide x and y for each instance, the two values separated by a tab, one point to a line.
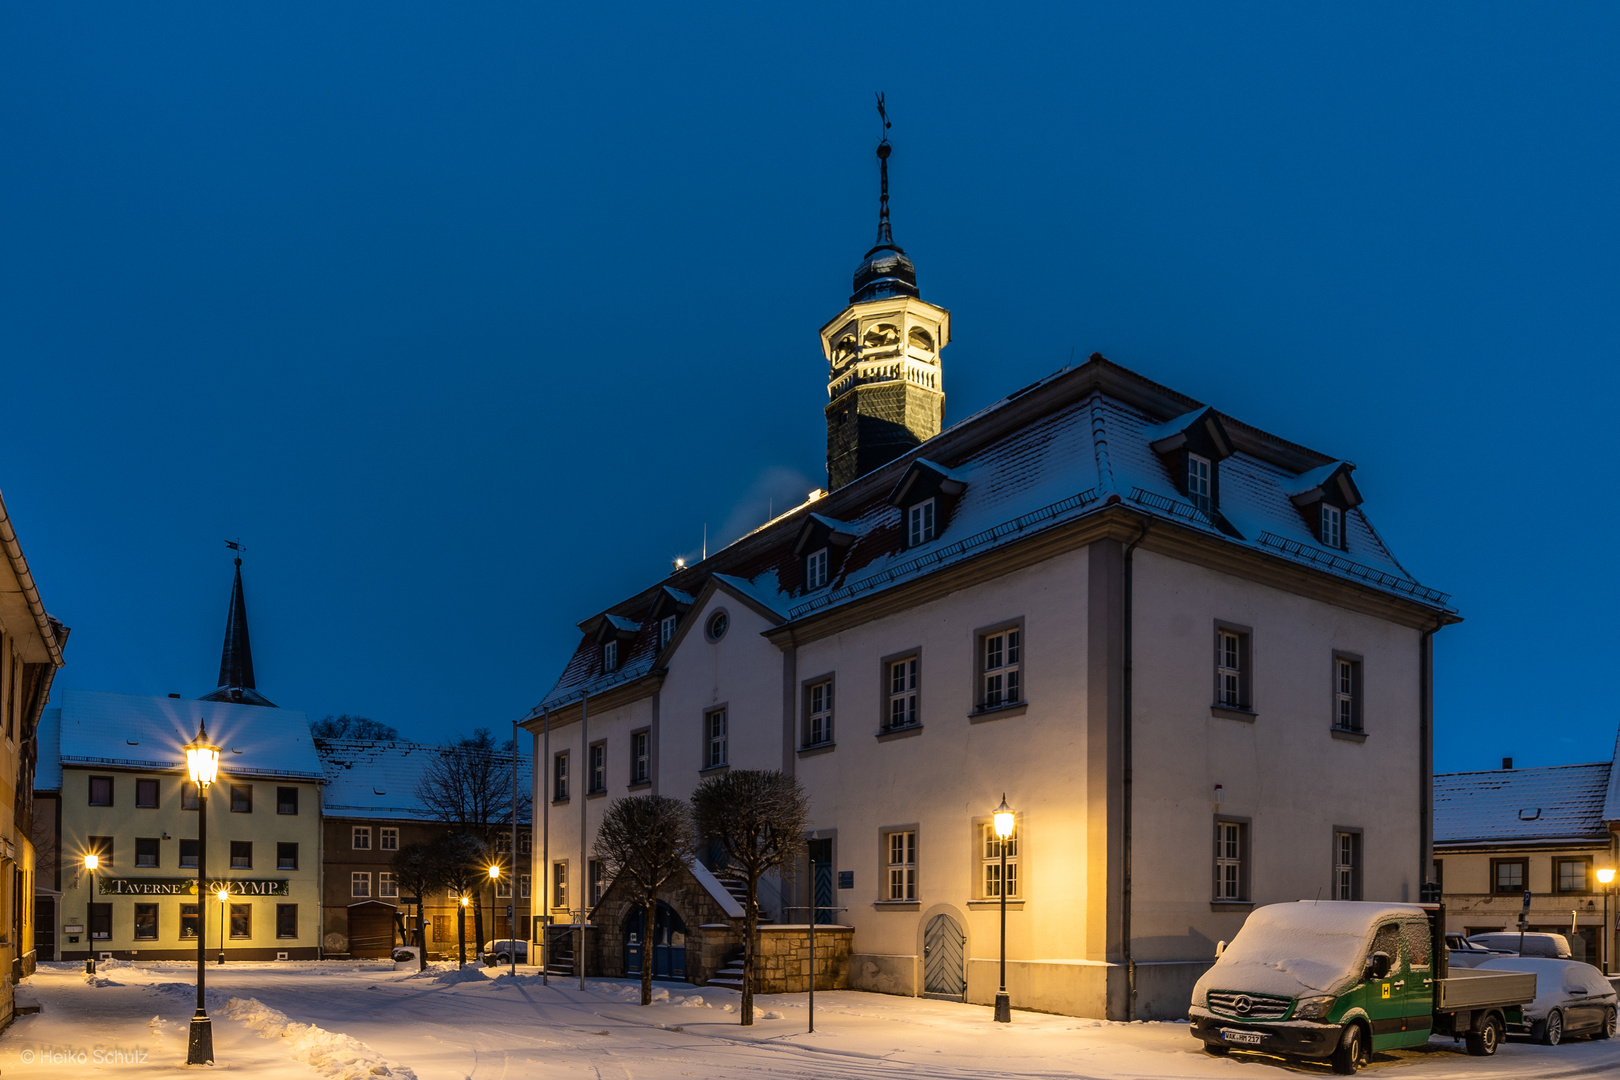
718	624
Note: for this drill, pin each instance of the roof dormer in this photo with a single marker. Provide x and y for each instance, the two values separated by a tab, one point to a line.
1324	496
669	607
1192	446
820	549
926	494
613	635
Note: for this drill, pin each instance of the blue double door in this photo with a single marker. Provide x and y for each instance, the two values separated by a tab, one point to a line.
668	943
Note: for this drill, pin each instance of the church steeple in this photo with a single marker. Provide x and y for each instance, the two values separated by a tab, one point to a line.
884	389
236	657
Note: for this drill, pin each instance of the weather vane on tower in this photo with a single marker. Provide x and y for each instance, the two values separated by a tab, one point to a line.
885	236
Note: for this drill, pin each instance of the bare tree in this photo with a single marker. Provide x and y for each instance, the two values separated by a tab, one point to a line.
462	859
468	786
361	728
759	817
644	840
419	869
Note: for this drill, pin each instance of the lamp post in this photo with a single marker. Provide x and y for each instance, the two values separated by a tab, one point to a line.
91	861
1605	876
1004	830
202	762
223	896
494	877
461	929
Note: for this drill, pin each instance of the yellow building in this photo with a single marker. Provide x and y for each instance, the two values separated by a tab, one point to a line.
30	652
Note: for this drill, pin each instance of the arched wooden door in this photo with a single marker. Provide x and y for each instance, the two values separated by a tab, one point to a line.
668	944
944	951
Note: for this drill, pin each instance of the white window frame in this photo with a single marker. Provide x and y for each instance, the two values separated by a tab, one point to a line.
715	734
610	656
990	862
1344	694
387	838
1346	865
559	884
523	886
360	883
1231	876
503	887
598	763
666	629
1201	482
900	865
1332	526
1229	669
640	756
560	785
815	569
387	885
901	692
361	838
1001	676
818	707
922	522
598	881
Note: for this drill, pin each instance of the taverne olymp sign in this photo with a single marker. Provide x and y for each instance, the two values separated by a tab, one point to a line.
188	887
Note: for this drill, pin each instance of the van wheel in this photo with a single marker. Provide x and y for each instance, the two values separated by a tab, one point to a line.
1350	1054
1550	1032
1606	1030
1484	1039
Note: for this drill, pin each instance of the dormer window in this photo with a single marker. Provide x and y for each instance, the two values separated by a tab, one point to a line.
1332	527
666	630
1199	488
610	656
815	569
920	523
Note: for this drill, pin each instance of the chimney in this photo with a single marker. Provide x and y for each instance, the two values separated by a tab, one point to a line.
174	695
1507	763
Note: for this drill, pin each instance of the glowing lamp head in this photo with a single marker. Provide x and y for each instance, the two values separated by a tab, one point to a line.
1605	876
463	901
202	758
1004	820
494	872
223	896
91	861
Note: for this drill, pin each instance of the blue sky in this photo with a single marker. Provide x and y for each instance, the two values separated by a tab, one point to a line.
467	320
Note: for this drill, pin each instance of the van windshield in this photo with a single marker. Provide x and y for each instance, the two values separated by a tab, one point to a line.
1302	947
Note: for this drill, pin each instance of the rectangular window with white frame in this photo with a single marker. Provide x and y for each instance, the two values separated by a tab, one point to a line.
523	886
1001	663
387	885
1332	526
559	776
598	768
666	630
1231	860
1233	667
640	757
362	838
714	739
360	883
989	846
901	690
610	656
559	884
1200	482
818	713
921	523
815	569
1346	864
900	865
1346	692
387	838
598	881
503	887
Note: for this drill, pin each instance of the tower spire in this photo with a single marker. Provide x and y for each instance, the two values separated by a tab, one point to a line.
885	238
236	656
885	271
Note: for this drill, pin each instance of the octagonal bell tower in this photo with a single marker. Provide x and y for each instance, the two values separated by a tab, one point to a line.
885	394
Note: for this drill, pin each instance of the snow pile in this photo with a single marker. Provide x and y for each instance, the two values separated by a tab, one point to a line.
336	1056
661	995
97	980
454	977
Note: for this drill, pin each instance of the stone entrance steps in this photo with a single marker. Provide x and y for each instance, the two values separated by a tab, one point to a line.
731	975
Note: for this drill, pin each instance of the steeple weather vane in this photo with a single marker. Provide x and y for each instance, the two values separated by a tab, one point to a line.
884	237
236	546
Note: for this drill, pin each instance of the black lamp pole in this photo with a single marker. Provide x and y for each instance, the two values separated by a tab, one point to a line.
200	1047
1003	1002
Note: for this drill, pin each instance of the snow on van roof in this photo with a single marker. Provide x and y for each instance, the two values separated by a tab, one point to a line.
1312	947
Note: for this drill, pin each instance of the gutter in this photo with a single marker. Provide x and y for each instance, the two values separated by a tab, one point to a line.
1426	760
1125	809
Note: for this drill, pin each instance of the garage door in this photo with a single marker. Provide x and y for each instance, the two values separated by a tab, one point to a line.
371	931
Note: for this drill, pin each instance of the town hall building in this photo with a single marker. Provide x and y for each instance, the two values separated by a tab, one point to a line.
1175	643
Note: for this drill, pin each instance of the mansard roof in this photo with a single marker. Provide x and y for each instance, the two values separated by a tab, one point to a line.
1075	444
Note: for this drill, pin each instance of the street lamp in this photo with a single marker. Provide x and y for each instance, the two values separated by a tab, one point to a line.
223	896
461	929
202	763
494	878
1605	876
91	861
1004	830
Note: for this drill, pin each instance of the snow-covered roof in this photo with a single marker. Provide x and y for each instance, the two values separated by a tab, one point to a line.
1071	445
48	769
1509	806
137	731
379	779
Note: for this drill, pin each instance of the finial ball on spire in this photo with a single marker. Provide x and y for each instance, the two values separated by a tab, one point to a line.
883	149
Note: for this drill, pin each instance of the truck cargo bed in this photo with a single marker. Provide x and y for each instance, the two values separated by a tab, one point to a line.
1468	988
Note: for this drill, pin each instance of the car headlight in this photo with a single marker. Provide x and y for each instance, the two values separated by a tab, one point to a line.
1314	1008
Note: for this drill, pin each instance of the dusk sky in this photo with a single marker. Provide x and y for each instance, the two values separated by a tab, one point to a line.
467	319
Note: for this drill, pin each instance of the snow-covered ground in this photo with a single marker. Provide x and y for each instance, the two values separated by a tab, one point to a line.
363	1020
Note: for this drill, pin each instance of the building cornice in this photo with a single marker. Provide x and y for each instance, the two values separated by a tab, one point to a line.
612	698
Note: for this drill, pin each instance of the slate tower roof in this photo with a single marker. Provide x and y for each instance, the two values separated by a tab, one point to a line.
236	657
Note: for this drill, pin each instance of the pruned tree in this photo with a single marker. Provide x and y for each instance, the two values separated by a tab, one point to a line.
759	817
344	726
644	840
468	786
461	858
419	870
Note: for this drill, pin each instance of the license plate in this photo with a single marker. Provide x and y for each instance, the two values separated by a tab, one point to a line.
1247	1038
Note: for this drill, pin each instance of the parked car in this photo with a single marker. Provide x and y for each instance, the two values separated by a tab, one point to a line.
1554	946
1464	953
1572	998
500	951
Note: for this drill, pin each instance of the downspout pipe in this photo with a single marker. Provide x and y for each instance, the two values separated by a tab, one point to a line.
1125	808
1426	758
